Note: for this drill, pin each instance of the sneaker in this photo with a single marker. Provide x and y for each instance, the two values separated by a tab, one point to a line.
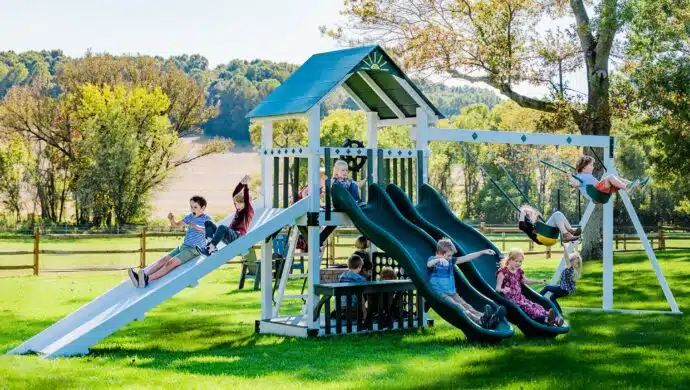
501	313
203	251
568	237
143	279
550	317
644	183
133	277
633	185
560	321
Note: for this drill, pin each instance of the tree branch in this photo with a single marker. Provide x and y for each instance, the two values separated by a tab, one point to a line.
606	33
583	28
507	90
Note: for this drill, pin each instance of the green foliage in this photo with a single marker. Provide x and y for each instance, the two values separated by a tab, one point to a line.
14	158
125	150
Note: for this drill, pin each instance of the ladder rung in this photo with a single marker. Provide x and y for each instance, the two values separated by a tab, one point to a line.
295	296
297	276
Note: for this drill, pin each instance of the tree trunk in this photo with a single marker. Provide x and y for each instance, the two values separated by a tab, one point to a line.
596	121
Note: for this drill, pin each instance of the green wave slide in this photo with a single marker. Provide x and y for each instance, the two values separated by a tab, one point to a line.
433	215
381	222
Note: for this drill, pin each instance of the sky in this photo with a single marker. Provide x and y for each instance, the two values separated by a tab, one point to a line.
220	30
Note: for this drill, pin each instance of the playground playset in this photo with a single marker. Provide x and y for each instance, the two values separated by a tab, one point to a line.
403	217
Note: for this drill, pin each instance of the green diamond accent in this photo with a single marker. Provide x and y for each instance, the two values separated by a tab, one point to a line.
475	136
569	139
523	138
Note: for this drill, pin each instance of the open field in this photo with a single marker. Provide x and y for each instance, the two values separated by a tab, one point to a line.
204	338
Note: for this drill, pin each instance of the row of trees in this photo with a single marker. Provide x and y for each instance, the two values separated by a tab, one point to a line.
96	136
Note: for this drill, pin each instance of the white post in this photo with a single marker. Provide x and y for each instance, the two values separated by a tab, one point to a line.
266	247
607	301
372	143
313	134
423	144
372	139
650	252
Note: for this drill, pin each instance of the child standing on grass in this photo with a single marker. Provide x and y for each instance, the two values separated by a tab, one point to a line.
239	225
341	178
608	184
361	245
441	267
509	281
566	284
184	252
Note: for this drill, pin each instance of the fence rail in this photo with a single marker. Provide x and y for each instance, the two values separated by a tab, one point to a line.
501	235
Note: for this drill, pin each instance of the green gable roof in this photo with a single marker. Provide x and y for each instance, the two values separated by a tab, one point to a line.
323	72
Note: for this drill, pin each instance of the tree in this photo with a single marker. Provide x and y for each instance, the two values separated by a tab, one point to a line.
659	44
14	159
494	42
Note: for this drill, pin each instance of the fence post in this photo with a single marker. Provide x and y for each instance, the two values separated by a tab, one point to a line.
617	240
625	242
530	246
548	252
37	236
503	238
142	249
662	240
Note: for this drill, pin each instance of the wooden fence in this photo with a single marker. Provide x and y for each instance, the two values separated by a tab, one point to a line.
502	236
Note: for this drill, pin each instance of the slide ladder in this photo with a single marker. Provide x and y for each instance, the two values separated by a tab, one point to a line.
76	333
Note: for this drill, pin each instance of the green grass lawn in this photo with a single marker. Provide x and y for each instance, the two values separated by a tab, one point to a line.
204	338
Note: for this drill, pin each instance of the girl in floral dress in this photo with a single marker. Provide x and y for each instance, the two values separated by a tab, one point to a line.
509	280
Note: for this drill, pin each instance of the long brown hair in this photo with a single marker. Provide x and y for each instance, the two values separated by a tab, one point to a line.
582	162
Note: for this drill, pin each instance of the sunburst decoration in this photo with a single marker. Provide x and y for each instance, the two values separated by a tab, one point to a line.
375	61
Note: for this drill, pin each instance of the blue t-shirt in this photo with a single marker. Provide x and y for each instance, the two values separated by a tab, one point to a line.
195	237
350	276
586	179
441	277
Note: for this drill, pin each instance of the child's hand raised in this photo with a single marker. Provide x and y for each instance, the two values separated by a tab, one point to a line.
443	262
489	252
171	216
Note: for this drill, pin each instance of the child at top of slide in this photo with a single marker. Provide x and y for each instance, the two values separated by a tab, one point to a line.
341	177
239	225
442	280
608	184
509	280
184	252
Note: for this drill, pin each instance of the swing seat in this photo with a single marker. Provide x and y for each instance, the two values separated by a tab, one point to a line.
547	235
597	196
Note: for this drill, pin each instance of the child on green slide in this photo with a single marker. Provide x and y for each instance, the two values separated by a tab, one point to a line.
442	281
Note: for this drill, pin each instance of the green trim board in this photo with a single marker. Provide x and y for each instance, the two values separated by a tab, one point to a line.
323	72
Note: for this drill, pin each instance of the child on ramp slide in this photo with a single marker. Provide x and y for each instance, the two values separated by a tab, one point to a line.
442	280
183	253
239	225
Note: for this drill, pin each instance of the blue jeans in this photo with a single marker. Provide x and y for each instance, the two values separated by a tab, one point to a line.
556	292
220	233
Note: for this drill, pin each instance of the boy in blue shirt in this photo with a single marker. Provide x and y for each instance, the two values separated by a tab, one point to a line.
184	252
442	280
352	275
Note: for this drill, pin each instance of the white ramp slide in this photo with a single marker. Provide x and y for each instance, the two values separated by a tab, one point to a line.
74	334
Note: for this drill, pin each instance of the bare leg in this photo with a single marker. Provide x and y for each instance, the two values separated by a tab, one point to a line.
471	312
559	220
615	181
158	264
168	266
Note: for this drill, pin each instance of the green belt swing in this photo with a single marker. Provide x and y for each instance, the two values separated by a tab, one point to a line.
547	235
596	195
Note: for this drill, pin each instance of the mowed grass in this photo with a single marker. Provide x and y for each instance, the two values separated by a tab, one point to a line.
204	338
